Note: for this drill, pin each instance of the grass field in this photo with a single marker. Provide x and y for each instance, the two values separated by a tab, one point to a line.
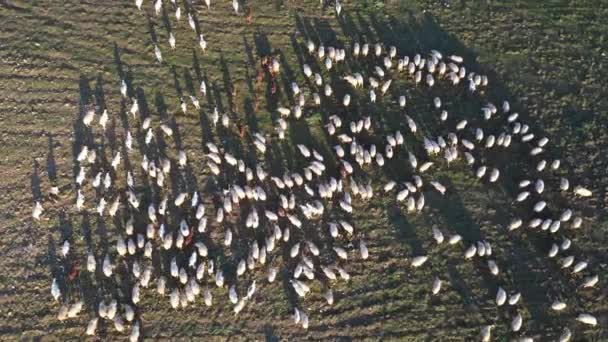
548	58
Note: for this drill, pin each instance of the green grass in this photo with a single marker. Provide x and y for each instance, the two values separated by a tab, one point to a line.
548	58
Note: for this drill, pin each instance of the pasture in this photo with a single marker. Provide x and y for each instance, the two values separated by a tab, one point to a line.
548	59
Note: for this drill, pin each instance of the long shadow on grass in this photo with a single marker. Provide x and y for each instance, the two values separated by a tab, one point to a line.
122	74
251	103
272	91
227	82
51	164
205	123
35	182
190	11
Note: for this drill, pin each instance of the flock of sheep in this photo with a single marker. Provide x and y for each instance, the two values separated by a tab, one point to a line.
304	211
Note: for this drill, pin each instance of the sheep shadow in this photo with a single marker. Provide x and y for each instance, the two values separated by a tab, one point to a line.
51	164
35	182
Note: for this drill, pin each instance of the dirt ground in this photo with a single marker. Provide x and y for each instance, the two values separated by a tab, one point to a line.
548	58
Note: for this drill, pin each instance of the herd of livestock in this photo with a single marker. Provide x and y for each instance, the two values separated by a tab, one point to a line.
296	226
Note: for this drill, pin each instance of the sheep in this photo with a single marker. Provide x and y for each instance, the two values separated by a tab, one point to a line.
540	206
91	263
107	266
456	59
565	335
481	171
493	267
516	323
454	239
172	40
486	333
329	297
92	325
467	144
363	250
134	336
515	223
341	253
494	175
55	291
88	118
37	211
158	54
436	286
587	319
419	260
333	230
577	222
402	195
80	201
566	215
553	251
385	86
74	309
470	252
514	298
343	274
232	295
565	244
567	261
558	306
564	184
437	235
438	186
590	281
580	266
582	192
522	196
